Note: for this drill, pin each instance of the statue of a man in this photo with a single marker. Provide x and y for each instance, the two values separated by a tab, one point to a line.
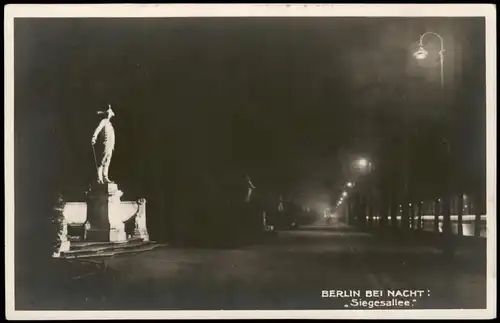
106	133
251	187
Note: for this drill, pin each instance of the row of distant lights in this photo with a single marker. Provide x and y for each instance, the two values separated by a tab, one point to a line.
351	184
362	164
439	200
344	193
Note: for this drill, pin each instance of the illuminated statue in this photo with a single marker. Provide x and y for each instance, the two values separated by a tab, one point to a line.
251	187
106	133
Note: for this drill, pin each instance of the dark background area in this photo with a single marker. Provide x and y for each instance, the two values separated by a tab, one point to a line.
287	100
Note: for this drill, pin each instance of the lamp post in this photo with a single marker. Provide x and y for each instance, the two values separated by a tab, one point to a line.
363	166
422	53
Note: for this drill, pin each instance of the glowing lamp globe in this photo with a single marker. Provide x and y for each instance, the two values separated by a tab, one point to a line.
421	53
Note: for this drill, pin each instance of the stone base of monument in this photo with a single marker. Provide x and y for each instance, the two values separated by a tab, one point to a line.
81	249
102	226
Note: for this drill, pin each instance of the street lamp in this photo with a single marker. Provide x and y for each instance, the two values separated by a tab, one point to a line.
362	162
422	53
363	165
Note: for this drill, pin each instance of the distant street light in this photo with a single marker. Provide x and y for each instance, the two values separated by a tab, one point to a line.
363	165
350	184
422	53
344	194
362	162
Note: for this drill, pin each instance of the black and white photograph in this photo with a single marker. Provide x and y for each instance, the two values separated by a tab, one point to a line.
250	161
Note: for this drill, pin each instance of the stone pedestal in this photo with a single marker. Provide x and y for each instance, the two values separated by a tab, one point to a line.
104	221
99	226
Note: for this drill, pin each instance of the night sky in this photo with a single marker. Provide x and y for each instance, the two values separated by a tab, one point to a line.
288	101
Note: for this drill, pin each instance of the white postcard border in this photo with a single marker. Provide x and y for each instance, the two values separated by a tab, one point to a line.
255	10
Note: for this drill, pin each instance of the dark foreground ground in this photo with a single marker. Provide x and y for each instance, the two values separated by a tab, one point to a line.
287	271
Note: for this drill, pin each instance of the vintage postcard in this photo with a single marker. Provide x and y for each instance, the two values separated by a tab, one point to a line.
250	161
